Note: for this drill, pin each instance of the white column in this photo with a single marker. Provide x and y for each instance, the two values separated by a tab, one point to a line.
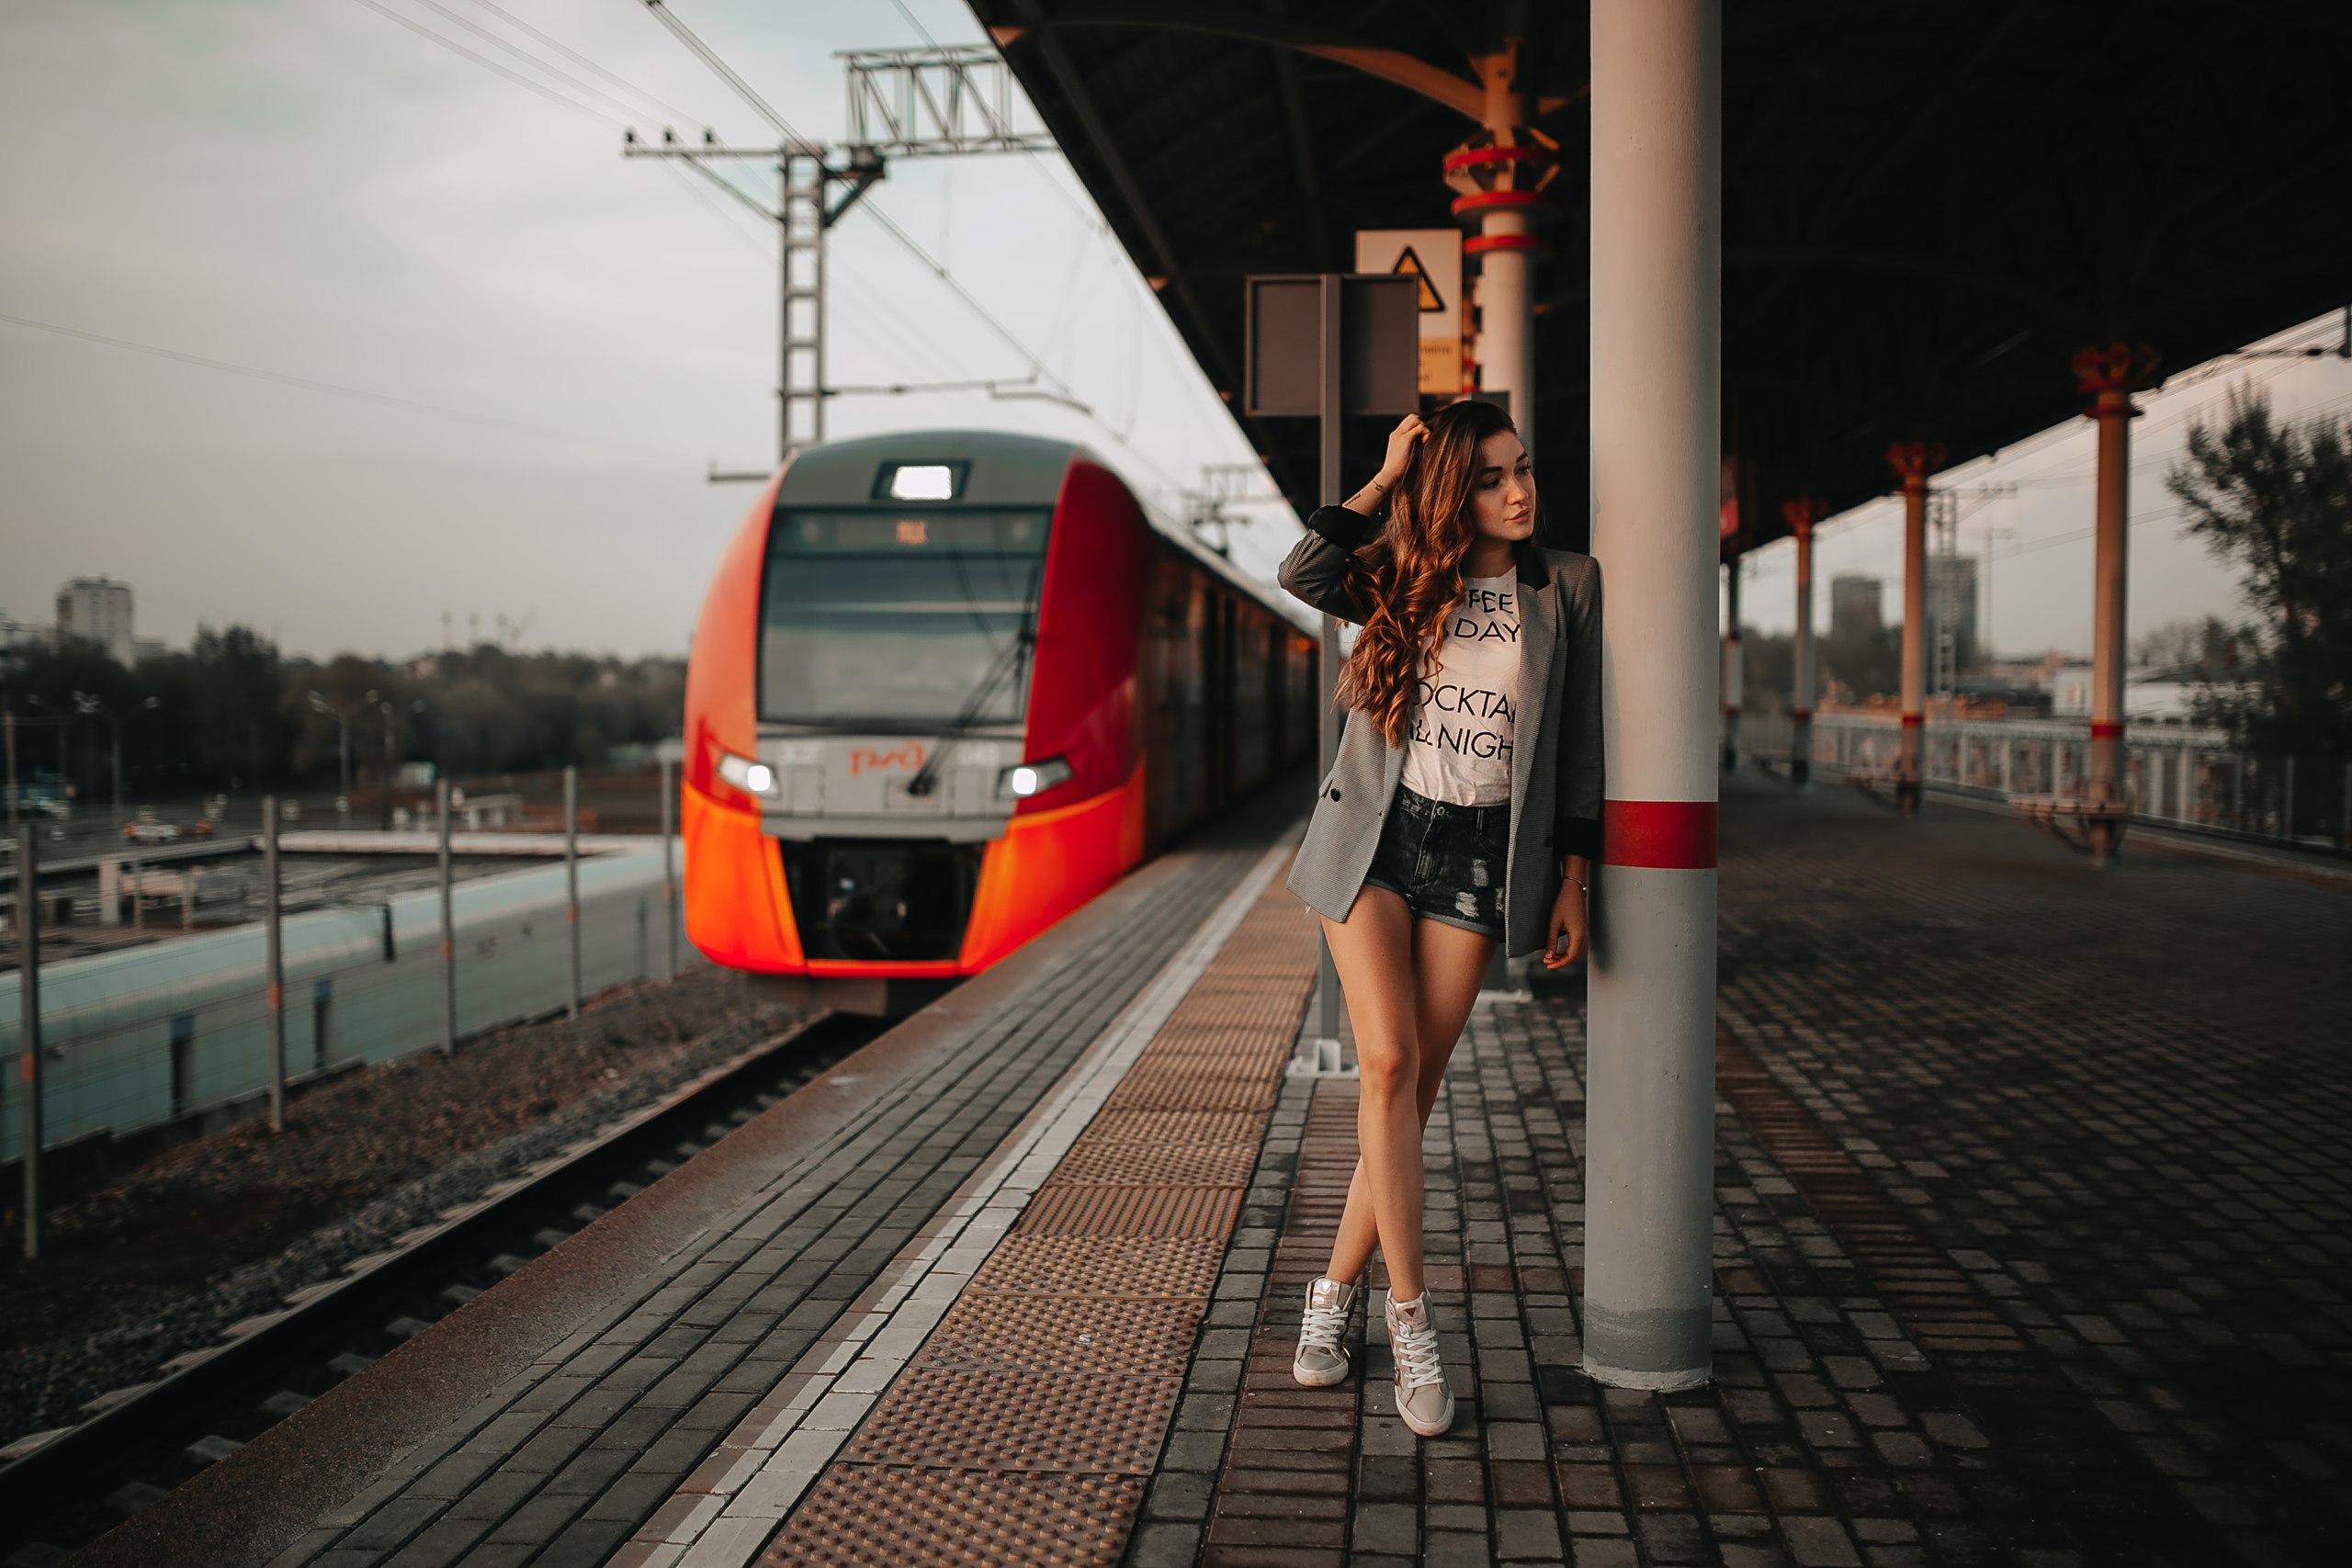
1656	347
1506	251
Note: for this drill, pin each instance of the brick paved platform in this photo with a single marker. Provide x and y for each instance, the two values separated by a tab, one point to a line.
2031	1239
552	1416
2030	1244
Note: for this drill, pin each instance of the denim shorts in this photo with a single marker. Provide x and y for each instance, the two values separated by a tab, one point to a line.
1446	861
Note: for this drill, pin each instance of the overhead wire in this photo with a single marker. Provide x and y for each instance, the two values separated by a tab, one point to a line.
421	30
661	105
921	31
525	55
720	69
308	384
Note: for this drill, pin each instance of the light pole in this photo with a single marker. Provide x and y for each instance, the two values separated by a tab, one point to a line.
342	716
93	708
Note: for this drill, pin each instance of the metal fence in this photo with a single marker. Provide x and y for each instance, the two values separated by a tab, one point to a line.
2176	775
156	1032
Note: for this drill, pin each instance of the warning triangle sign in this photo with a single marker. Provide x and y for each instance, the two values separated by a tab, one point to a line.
1411	264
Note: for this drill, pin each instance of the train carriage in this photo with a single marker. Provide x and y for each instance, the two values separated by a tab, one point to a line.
946	688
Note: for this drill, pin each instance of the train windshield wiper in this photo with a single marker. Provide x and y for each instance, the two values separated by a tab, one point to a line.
1011	659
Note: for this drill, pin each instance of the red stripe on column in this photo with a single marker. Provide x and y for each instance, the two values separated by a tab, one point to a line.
2103	730
1661	835
1800	715
1913	720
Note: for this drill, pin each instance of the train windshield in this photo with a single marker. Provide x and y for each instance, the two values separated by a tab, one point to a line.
888	618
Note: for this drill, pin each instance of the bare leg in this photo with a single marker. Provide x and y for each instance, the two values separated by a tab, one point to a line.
1372	951
1449	966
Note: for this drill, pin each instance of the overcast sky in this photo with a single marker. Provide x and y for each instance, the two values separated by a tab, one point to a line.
313	190
2038	576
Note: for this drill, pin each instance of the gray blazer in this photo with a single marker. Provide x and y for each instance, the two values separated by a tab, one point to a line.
1555	754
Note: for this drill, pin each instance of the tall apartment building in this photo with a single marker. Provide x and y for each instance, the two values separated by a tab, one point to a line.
97	609
1854	602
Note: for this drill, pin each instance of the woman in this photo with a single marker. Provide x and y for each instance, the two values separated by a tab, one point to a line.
1464	811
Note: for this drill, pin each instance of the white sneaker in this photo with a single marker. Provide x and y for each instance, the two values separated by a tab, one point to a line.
1320	1359
1422	1398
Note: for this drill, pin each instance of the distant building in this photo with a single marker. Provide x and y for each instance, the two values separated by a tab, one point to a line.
16	634
1951	579
97	609
1854	600
143	649
2159	695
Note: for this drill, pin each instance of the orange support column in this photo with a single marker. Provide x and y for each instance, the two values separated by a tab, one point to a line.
2109	374
1913	461
1801	517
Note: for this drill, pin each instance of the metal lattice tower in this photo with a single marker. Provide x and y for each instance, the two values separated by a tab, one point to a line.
800	224
931	102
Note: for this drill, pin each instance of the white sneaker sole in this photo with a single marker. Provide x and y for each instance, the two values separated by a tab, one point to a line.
1435	1429
1306	1379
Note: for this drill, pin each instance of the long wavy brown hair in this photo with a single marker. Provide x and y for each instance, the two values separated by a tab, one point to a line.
1411	574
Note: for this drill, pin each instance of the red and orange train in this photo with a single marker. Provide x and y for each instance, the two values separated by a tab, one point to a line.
946	687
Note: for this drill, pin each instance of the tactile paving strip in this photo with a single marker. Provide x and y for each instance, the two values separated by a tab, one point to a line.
1041	1399
1120	1268
1064	1334
1195	1165
861	1515
1008	1421
1059	1210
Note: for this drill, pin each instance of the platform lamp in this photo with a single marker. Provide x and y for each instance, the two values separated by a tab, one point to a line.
342	716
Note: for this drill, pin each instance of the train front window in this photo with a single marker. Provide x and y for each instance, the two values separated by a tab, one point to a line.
895	618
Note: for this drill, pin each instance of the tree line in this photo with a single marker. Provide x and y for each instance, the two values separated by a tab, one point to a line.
232	713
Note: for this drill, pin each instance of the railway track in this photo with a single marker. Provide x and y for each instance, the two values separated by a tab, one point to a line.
143	1440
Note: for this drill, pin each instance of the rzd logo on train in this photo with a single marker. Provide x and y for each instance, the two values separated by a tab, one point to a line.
870	759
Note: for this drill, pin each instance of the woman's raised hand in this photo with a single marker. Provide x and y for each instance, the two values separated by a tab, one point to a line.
1409	431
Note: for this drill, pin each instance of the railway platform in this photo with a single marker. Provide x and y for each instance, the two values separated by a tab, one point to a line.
2030	1247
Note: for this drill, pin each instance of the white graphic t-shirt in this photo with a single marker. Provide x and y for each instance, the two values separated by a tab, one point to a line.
1457	746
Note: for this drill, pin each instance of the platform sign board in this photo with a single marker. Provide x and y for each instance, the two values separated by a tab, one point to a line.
1286	339
1432	258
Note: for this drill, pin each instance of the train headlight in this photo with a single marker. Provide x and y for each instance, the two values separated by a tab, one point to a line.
751	777
1033	778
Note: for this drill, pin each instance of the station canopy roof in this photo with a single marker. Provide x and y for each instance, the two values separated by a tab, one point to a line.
1928	207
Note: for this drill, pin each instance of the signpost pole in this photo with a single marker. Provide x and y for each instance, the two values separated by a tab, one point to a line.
1326	978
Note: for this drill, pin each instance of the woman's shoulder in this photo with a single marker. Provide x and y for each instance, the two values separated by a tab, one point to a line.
1570	566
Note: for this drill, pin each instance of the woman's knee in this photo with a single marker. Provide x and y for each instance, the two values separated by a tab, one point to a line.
1389	1068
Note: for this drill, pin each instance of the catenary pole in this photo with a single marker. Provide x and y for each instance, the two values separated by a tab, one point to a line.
29	1026
571	881
1656	304
669	866
274	951
448	923
1912	462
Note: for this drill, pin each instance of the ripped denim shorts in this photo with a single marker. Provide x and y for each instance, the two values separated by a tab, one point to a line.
1446	861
